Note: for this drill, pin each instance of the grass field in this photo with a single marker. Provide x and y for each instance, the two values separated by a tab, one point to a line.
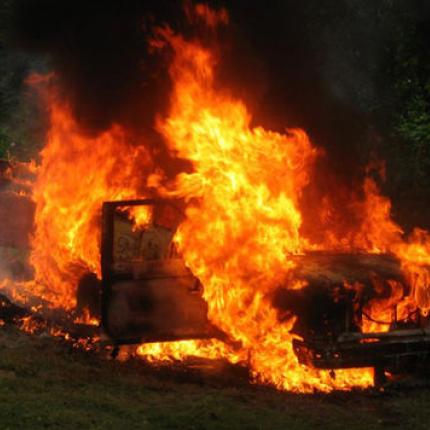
45	383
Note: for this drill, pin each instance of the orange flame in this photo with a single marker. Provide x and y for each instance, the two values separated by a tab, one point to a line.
77	174
242	223
247	183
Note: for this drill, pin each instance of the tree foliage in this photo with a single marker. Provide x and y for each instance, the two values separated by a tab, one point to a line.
20	116
411	73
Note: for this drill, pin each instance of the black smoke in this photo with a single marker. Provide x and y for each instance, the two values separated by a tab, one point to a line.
99	51
316	65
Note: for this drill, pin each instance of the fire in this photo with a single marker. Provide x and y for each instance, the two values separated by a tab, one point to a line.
77	173
380	234
246	182
243	218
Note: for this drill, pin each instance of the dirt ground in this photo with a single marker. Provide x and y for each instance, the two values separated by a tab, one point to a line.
45	383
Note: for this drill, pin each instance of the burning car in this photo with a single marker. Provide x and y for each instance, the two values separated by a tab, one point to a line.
149	295
207	237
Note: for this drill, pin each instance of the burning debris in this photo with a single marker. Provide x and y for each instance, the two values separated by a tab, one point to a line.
216	257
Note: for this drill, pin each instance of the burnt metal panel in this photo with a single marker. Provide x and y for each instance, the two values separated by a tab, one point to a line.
148	294
395	350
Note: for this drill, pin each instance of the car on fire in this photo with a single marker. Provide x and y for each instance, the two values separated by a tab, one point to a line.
149	295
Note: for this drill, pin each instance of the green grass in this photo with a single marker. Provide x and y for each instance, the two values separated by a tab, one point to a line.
45	384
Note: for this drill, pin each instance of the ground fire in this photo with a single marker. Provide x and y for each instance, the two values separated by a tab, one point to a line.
214	263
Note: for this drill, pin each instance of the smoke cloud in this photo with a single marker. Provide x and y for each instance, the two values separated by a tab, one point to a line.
296	64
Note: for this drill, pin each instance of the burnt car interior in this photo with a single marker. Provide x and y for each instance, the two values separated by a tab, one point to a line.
148	294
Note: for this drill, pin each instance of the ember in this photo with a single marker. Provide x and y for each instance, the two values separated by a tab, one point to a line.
239	236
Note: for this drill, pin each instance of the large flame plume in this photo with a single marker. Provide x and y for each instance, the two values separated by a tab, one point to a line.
243	217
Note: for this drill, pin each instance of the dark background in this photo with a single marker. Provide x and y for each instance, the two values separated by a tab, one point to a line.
353	74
